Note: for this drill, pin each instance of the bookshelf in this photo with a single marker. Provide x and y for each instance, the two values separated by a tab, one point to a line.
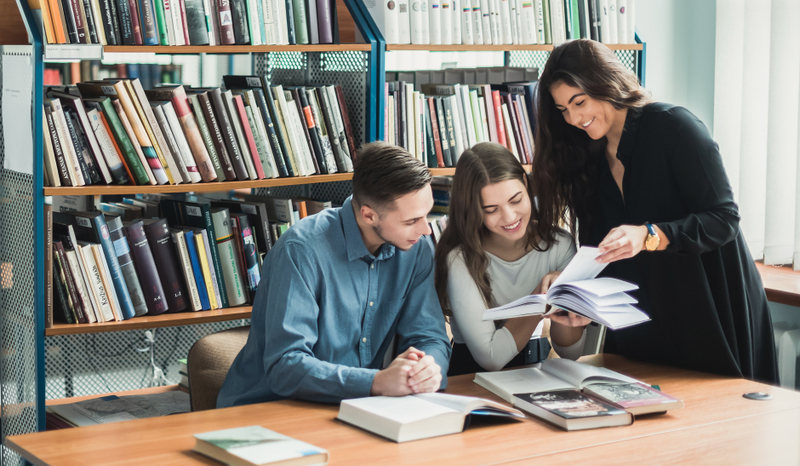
493	48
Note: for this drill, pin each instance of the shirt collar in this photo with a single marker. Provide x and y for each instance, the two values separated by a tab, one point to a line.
356	249
626	142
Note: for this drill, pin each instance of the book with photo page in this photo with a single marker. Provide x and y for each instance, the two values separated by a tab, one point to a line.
419	416
603	300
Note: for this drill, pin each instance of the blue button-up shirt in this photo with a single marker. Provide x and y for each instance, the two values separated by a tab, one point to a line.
326	311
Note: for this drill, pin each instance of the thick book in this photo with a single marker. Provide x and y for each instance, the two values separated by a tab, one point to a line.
415	417
229	260
146	267
603	300
256	445
123	252
572	410
166	258
249	252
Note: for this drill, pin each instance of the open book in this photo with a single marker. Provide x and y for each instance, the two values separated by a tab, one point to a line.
419	416
603	300
625	392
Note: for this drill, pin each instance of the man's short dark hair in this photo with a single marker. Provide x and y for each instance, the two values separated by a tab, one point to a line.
383	173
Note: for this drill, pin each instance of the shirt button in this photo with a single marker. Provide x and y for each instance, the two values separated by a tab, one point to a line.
371	303
372	266
364	339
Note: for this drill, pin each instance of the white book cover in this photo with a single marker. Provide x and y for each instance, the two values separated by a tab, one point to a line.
252	21
613	38
435	22
403	21
467	36
229	260
82	285
337	116
467	117
60	122
177	23
283	25
631	14
415	17
386	17
457	126
104	141
212	28
168	22
539	14
186	157
516	15
102	265
507	22
211	270
557	25
497	33
455	6
486	20
271	35
477	23
605	22
622	21
477	119
587	20
50	165
188	272
390	131
484	119
426	22
411	133
458	111
262	131
529	25
447	22
296	122
96	283
291	127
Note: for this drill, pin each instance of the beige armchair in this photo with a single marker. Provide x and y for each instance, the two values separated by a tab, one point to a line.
208	363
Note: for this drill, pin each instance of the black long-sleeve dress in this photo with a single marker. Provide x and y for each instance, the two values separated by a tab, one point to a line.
703	293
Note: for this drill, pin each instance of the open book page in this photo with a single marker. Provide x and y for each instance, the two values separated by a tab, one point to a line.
583	266
468	404
598	288
403	409
531	379
578	375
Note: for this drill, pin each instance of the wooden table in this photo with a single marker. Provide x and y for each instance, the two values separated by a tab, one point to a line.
717	426
782	284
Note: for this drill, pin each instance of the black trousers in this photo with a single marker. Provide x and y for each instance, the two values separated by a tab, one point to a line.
462	362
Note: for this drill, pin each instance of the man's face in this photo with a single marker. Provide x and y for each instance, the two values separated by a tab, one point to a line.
403	225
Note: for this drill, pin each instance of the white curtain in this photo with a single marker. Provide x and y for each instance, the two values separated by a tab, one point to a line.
757	120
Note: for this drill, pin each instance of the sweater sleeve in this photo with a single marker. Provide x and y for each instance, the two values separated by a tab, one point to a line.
491	347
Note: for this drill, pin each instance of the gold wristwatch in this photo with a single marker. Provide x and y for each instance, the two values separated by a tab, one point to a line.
653	240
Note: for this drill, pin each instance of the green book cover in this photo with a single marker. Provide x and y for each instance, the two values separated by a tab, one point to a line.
300	20
161	23
206	134
548	36
125	144
576	19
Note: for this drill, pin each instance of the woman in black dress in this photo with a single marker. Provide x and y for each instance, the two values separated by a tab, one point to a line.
645	183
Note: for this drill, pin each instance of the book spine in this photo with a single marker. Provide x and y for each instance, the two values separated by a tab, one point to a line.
330	123
240	172
262	140
310	128
198	148
77	300
126	124
48	265
214	252
106	145
246	160
161	22
286	138
127	111
196	21
217	138
226	23
148	22
74	267
123	296
85	162
64	168
239	17
322	131
437	143
300	22
275	132
171	143
96	282
179	243
164	255
338	118
227	257
206	135
346	121
255	21
211	21
125	22
184	153
148	272
128	270
197	270
60	122
64	303
209	272
288	10
108	14
133	7
325	20
127	147
145	113
430	149
252	135
85	12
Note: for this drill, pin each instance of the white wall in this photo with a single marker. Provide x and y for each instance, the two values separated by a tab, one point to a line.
680	37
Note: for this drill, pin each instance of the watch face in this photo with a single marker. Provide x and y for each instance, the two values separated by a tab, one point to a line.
652	242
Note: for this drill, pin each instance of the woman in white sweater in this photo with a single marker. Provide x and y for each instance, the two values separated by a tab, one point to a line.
489	256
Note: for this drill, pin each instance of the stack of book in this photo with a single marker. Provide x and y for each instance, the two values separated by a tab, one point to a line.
187	22
115	264
504	22
115	132
439	123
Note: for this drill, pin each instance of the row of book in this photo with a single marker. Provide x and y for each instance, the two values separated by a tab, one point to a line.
150	74
145	256
115	132
485	75
187	22
439	123
504	22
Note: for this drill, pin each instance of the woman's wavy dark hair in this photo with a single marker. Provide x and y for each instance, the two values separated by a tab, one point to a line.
566	158
484	164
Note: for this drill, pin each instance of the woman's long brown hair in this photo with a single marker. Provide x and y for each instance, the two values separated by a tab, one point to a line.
566	159
484	164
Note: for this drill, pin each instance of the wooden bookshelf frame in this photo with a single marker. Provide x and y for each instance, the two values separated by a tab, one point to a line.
145	322
228	49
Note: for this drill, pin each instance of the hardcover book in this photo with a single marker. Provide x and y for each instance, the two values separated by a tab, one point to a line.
572	410
167	263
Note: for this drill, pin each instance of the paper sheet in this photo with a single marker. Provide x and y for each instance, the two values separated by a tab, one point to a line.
17	125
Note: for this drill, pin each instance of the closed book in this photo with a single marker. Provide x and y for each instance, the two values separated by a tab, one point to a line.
180	104
331	101
276	131
202	125
91	226
297	119
184	155
226	33
227	129
255	445
125	22
143	159
138	33
572	410
206	262
48	263
348	129
387	18
128	269
105	276
444	135
594	20
139	170
84	6
435	132
321	128
197	270
66	235
64	304
430	148
249	171
75	28
635	398
250	253
259	219
155	297
67	146
331	129
78	304
196	20
217	138
162	23
238	249
420	416
326	20
80	145
228	258
197	215
107	148
213	22
292	128
148	18
96	284
174	22
255	21
169	269
179	151
310	128
260	134
185	262
63	166
240	26
253	138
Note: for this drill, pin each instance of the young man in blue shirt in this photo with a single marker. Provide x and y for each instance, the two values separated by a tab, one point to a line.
337	288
